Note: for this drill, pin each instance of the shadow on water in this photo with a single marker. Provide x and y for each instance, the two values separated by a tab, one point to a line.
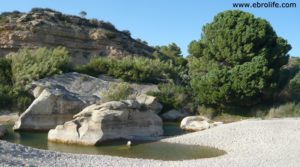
147	150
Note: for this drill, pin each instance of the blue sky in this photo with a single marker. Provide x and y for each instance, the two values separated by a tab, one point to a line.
160	22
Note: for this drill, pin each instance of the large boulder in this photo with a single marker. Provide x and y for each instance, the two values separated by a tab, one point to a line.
60	97
108	121
51	108
174	115
2	131
197	123
150	102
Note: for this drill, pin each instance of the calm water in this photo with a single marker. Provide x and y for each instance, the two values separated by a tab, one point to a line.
147	150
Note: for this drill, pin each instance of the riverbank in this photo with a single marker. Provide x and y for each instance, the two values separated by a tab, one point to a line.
247	143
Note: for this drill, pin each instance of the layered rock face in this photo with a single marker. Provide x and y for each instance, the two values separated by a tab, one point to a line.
108	121
83	38
60	97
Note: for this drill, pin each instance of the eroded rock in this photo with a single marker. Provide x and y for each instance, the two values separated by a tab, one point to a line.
108	121
150	102
197	123
60	97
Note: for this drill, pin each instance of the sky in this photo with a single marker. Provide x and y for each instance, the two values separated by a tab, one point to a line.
161	22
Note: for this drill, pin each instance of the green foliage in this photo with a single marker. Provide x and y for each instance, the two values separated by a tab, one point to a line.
110	34
207	111
135	69
5	72
290	109
170	52
23	67
174	97
29	65
119	91
11	96
82	14
5	83
127	32
237	60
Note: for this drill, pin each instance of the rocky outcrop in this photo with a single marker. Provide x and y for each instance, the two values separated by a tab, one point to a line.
174	115
60	97
2	132
150	102
197	123
82	37
108	121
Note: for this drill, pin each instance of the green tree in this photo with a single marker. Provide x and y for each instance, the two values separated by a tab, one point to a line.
237	60
170	52
82	14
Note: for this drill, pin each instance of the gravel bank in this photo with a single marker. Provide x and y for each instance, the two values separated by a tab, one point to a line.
248	143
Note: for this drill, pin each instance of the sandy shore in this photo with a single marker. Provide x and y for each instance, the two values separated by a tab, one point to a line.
248	143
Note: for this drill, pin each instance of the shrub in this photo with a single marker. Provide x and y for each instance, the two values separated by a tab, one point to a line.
10	96
110	34
5	72
135	69
29	65
127	32
6	100
209	112
174	97
290	109
117	91
5	83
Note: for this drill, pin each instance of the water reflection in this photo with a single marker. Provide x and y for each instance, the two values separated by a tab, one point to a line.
147	150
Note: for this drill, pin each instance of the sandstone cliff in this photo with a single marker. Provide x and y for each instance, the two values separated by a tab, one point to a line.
82	37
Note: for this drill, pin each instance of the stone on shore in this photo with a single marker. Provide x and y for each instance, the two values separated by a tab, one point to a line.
197	123
108	121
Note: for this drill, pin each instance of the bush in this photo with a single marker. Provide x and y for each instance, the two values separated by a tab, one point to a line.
5	72
135	69
5	83
209	112
29	65
23	67
118	91
126	32
10	96
290	109
110	34
174	97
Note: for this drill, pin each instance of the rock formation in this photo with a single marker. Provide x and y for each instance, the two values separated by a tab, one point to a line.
82	37
197	123
150	102
60	97
108	121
